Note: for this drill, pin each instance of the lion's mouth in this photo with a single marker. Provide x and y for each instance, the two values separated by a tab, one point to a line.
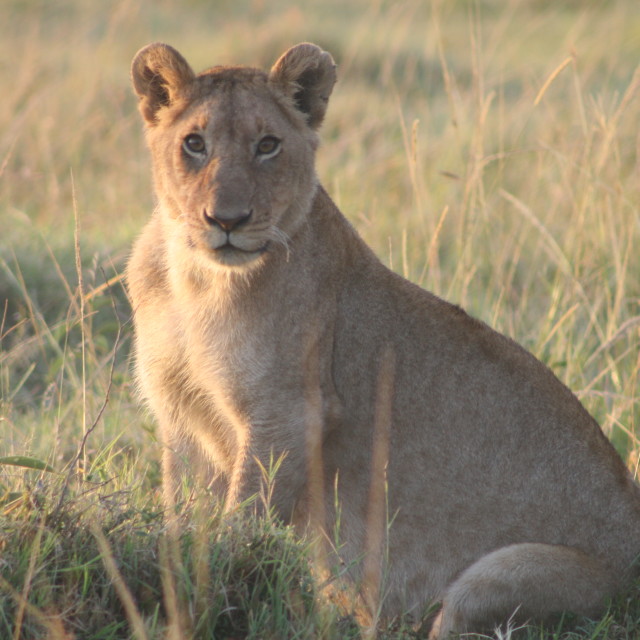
230	255
229	247
228	252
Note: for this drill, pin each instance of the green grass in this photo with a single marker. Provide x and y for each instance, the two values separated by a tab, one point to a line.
83	558
486	150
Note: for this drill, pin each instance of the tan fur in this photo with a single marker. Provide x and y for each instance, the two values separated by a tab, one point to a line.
284	337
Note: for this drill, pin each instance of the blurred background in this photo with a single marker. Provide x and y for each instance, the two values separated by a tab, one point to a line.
486	149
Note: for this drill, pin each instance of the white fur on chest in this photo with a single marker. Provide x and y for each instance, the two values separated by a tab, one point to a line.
233	344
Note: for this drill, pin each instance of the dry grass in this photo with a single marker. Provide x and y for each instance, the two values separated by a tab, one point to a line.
487	150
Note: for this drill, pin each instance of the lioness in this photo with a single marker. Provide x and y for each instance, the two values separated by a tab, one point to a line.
266	330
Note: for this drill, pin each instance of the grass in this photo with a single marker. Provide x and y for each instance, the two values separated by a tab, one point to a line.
486	150
86	561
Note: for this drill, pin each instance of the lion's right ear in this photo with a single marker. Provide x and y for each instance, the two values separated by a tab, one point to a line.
159	73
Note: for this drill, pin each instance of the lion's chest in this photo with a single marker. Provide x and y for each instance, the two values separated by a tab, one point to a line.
241	366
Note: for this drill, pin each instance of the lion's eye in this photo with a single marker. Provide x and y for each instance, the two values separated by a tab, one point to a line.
268	146
194	144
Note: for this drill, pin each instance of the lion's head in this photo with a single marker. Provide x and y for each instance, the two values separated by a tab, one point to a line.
233	148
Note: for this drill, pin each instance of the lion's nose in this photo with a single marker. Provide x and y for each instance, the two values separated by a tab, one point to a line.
228	222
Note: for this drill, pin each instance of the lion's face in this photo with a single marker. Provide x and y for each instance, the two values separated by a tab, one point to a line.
236	168
233	151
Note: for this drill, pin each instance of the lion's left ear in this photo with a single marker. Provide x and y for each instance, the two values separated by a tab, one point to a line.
306	74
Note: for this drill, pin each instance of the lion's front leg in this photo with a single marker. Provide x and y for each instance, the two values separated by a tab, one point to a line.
273	468
185	462
281	431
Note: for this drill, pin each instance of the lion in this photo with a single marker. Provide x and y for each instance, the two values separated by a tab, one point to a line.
460	470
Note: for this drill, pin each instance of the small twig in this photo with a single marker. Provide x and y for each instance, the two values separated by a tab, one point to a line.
76	244
88	432
119	277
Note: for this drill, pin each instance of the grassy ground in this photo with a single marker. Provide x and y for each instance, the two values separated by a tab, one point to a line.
487	150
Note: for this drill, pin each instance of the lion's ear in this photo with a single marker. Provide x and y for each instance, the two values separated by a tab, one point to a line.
306	74
159	73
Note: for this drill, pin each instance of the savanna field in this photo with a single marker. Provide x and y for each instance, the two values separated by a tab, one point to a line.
487	150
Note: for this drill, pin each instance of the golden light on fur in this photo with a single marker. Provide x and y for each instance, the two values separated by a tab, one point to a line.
267	330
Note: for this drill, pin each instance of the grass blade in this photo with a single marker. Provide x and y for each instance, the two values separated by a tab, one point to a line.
27	463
